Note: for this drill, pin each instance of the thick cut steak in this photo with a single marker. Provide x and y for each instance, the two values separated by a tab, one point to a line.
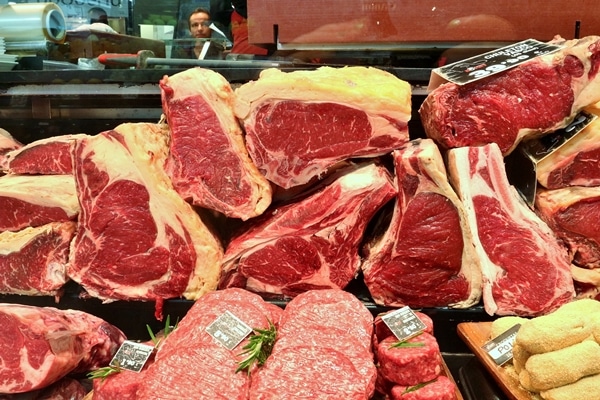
191	364
136	237
299	124
50	156
33	261
573	214
323	350
312	242
425	257
526	271
7	143
208	161
532	99
576	162
35	200
43	344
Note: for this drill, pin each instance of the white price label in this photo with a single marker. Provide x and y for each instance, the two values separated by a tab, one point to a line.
500	347
228	330
404	323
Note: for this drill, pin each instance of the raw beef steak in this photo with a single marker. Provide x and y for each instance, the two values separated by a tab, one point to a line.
526	271
41	345
576	162
190	364
137	239
7	143
51	156
532	99
323	350
425	257
299	124
208	161
33	261
309	243
573	214
35	200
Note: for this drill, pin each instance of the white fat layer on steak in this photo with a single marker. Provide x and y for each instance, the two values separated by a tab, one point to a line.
42	190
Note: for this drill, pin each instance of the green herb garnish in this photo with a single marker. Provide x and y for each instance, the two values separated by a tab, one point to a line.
259	347
418	386
104	372
166	331
405	344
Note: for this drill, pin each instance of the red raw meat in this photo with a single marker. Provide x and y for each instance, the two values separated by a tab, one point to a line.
323	350
208	161
309	243
190	364
46	344
575	163
7	143
50	156
573	214
300	124
425	257
35	200
526	271
137	239
33	261
410	366
532	99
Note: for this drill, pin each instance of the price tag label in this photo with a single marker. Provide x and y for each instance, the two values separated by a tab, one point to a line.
404	323
228	330
500	348
547	144
132	356
495	61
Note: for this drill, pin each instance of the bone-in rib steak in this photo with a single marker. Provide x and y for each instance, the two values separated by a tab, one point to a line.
46	344
208	161
35	200
299	124
34	260
425	257
136	237
526	271
534	98
311	242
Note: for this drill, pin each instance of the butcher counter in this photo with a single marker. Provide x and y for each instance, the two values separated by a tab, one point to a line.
41	104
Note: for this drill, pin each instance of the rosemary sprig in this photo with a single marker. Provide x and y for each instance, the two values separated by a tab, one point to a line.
166	332
405	344
104	372
418	386
259	347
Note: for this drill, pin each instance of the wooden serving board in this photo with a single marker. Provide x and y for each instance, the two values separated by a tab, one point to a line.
475	335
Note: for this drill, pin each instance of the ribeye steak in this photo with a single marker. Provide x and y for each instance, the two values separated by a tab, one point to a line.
299	124
534	98
35	200
425	257
136	237
526	270
33	261
208	161
310	242
43	344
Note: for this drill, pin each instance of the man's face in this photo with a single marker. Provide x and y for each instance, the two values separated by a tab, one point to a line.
199	23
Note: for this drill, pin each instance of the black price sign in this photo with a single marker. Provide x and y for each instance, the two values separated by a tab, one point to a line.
228	330
132	356
500	348
404	323
495	61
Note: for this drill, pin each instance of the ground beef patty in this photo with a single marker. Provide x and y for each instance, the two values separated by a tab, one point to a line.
409	366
